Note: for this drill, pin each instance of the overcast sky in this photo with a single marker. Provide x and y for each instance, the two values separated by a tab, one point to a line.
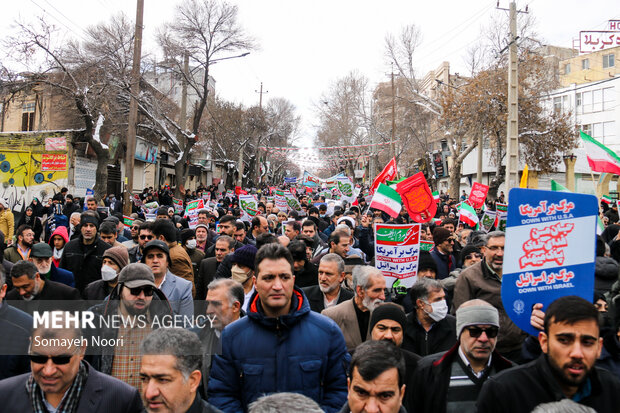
307	45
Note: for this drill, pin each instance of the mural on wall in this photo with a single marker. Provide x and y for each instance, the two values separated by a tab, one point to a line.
26	175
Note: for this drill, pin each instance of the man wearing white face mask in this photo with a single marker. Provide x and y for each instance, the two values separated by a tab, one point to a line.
188	241
243	270
114	260
430	329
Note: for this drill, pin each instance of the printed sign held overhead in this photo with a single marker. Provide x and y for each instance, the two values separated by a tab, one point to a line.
549	250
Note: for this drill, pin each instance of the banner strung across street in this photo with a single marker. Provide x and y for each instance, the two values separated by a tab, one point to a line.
397	248
549	250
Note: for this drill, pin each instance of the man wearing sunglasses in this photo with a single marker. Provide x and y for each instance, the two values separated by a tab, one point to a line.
145	234
135	297
443	253
451	380
483	280
61	381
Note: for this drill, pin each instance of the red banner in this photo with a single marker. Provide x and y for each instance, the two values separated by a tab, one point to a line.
388	173
237	190
478	195
417	197
53	162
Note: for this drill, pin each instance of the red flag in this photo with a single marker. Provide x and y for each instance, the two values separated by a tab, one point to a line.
417	197
237	190
243	192
477	195
388	173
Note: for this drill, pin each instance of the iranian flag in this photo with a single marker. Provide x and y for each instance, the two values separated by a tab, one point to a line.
468	215
606	199
387	200
600	157
436	196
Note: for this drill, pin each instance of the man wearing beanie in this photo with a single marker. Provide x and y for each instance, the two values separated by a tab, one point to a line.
443	252
242	271
387	323
114	260
451	381
83	255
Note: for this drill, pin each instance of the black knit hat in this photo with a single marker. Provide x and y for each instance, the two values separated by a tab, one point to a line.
426	262
245	256
186	234
89	219
388	311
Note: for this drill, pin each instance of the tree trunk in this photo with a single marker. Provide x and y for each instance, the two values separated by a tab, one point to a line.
101	183
180	171
454	171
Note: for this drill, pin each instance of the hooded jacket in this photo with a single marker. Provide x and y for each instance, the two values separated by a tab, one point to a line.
62	231
605	274
302	352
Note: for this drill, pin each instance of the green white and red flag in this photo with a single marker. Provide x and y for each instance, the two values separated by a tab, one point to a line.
387	200
607	199
600	157
436	196
468	215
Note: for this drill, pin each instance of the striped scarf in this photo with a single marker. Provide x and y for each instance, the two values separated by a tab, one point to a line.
68	403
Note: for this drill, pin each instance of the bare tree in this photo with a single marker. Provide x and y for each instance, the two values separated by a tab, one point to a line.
205	30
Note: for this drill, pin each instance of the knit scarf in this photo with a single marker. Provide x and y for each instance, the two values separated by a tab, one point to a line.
69	402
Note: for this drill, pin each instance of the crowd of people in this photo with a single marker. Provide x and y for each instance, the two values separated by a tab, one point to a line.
298	317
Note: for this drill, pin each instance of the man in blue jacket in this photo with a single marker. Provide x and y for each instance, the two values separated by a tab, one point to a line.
281	346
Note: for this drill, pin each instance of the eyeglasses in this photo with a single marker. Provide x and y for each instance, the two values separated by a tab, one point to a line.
135	228
149	237
58	360
496	247
148	291
475	332
472	256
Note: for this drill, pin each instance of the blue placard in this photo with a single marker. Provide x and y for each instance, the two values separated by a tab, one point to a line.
549	252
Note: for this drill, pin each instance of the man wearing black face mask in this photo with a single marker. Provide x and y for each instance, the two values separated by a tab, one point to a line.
430	329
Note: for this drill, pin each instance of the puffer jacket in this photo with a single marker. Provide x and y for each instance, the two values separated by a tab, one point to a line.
7	224
302	352
605	274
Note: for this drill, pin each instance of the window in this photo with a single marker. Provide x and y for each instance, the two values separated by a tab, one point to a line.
28	116
578	103
587	102
597	100
557	105
567	68
587	129
609	98
603	131
608	61
585	64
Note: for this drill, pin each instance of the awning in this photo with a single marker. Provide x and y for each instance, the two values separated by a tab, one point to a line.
168	171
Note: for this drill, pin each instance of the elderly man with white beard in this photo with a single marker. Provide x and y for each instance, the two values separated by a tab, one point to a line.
353	316
329	292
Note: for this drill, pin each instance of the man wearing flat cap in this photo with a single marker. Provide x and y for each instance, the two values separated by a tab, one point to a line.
451	381
134	297
83	256
41	257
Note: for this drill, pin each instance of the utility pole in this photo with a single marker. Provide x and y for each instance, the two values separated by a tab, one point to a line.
258	137
479	173
133	109
183	114
393	118
512	127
